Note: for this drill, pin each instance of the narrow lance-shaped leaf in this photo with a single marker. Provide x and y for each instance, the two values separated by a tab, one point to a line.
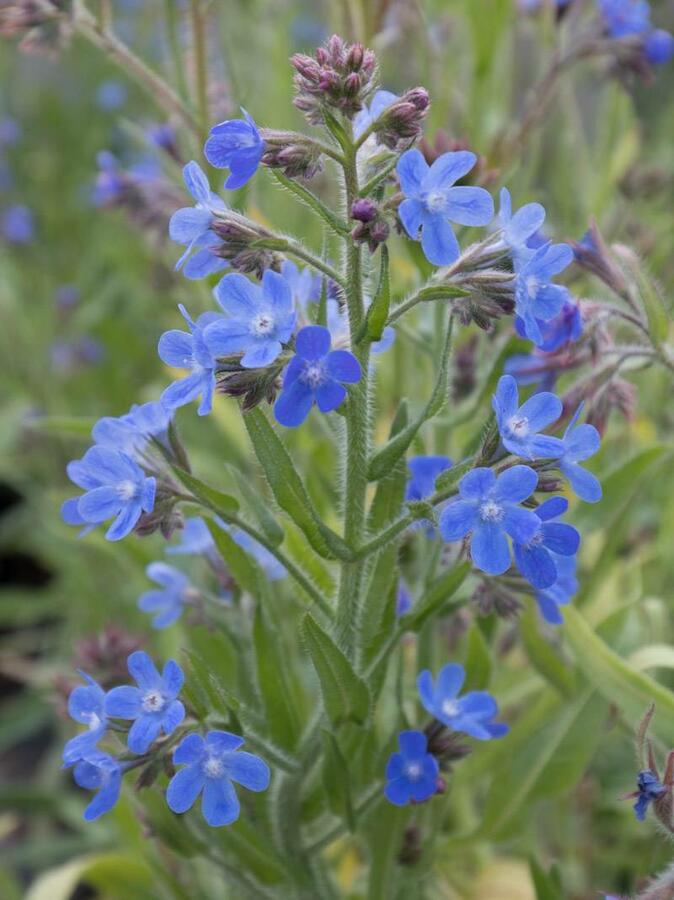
211	497
437	598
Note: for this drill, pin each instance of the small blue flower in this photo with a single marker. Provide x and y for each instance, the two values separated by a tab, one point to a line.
471	714
659	47
519	425
432	202
101	772
580	443
195	540
235	145
314	375
536	298
210	766
192	226
152	705
259	319
18	224
115	486
380	101
564	328
624	18
273	569
412	774
424	471
111	95
305	285
520	227
183	350
648	789
167	604
403	599
131	432
561	592
109	180
86	704
489	510
536	559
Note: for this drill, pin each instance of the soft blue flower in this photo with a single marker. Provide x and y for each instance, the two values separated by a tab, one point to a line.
564	328
520	227
488	510
210	766
17	224
560	593
192	226
183	350
648	790
338	326
111	95
519	425
536	559
235	145
363	119
195	540
115	486
432	202
424	471
132	431
314	375
580	443
11	131
86	704
152	705
403	599
259	319
305	285
273	569
471	714
624	18
530	368
99	772
412	774
536	297
659	47
162	135
109	180
168	603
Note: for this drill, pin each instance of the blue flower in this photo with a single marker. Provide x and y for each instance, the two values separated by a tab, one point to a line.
183	350
564	328
259	319
131	432
536	558
520	227
195	540
235	145
86	704
560	593
536	298
412	774
111	95
305	285
530	368
648	789
338	326
519	425
192	226
314	375
624	18
101	772
210	766
152	705
403	599
659	47
18	225
488	510
109	180
471	714
273	569
580	443
115	486
432	202
363	119
424	471
168	603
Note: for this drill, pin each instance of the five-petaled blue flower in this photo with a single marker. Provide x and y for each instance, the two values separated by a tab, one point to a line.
424	471
412	774
115	486
188	350
131	431
235	145
168	603
99	772
520	227
519	425
536	559
488	509
380	101
471	714
649	788
259	319
564	328
432	202
560	593
192	226
152	705
211	765
536	298
580	442
86	704
314	375
626	17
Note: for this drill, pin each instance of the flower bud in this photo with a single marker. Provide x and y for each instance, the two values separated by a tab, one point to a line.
364	210
399	126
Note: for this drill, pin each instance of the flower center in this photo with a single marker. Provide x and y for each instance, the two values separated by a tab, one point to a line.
450	708
491	512
262	324
435	201
532	285
153	701
518	426
126	490
413	771
94	721
213	767
314	374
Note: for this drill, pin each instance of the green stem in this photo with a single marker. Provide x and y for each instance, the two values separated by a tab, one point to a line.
177	59
312	201
377	179
365	802
200	64
296	249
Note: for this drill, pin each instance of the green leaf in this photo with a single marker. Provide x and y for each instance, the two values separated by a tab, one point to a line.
74	426
436	599
546	885
310	200
345	695
544	657
220	503
240	564
336	781
377	314
478	663
259	506
280	714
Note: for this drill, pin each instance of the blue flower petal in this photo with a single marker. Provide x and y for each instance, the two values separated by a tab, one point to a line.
438	241
469	206
220	742
585	485
219	803
448	168
261	354
536	564
521	524
123	702
143	671
189	750
329	396
312	342
412	214
457	519
412	169
343	366
489	549
293	404
412	744
172	678
185	787
203	263
247	769
516	484
477	483
449	682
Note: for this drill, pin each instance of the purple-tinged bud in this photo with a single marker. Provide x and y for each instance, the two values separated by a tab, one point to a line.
592	254
440	785
491	598
410	851
306	66
399	126
364	210
380	231
355	56
352	84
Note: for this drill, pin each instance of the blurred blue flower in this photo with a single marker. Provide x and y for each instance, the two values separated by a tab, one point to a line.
18	224
424	471
471	714
210	765
648	789
109	182
536	298
432	202
162	135
519	425
66	296
152	705
314	375
536	559
659	47
369	114
520	227
115	486
183	350
195	540
580	443
99	772
130	432
235	145
111	95
259	319
191	226
413	773
560	593
624	18
564	328
305	285
168	603
273	569
86	704
530	368
403	599
488	509
10	131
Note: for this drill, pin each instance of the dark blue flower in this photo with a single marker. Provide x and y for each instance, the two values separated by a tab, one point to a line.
536	298
152	705
424	471
192	226
488	510
580	442
471	714
432	202
412	774
210	766
659	47
235	145
380	101
305	285
648	789
183	350
99	772
86	704
520	227
167	604
259	319
131	432
519	425
18	224
560	593
564	328
536	559
115	486
624	18
314	375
